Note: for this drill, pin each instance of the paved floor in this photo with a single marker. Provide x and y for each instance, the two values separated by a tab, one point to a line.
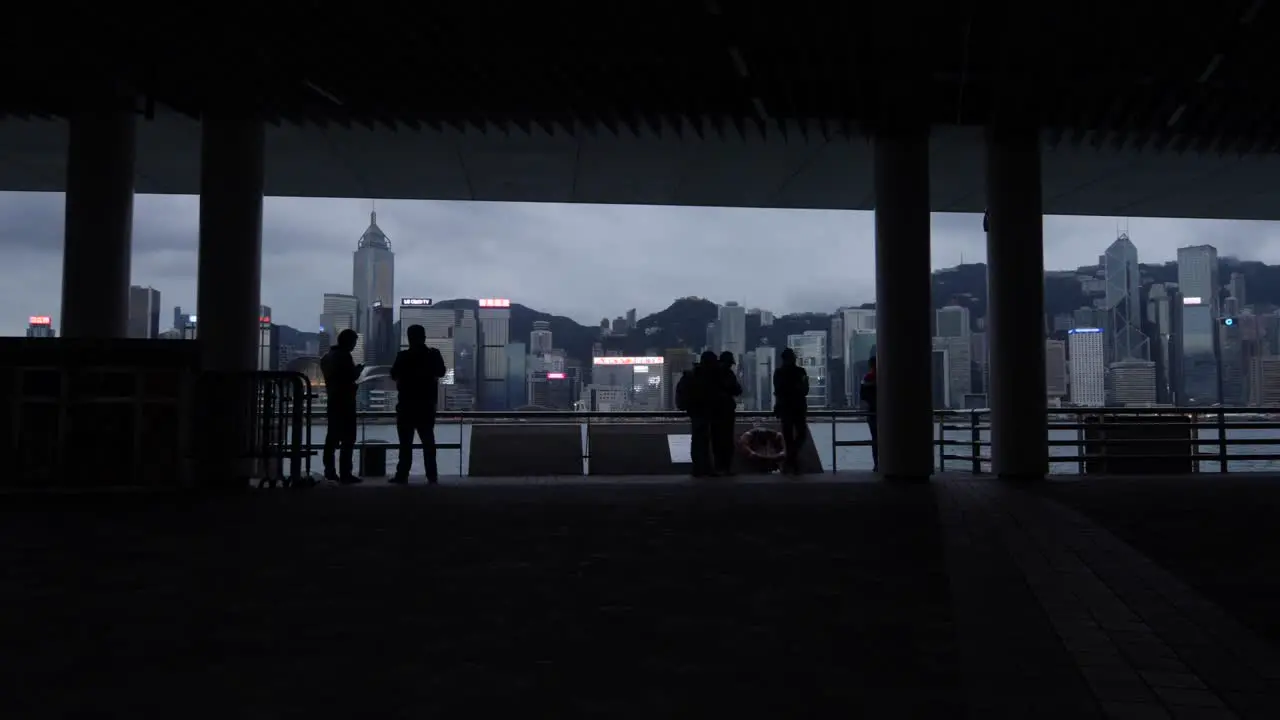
637	599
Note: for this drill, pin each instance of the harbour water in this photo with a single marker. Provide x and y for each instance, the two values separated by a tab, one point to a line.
826	434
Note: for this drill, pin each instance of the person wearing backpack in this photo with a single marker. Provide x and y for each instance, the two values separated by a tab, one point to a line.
791	406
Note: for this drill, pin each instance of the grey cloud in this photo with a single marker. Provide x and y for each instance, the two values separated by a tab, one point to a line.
584	261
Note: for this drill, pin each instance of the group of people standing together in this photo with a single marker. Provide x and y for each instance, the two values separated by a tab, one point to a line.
709	394
417	371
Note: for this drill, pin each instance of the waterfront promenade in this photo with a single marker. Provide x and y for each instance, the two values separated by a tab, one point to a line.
642	597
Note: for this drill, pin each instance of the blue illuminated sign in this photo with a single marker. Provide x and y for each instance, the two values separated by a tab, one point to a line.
1229	322
1085	330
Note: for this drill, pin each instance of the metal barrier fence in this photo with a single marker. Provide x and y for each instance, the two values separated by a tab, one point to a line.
1119	441
1081	440
255	424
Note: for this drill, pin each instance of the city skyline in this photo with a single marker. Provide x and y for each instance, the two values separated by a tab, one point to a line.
582	261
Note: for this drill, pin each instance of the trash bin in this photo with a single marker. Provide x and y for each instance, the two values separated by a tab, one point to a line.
373	458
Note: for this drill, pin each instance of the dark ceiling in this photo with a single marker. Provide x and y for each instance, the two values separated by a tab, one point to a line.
1196	76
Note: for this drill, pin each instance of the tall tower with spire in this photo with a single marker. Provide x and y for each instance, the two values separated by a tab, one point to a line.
373	279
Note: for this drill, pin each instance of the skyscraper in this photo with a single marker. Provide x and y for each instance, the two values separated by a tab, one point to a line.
1125	340
341	312
1198	282
953	322
1086	353
144	312
1055	361
40	326
373	278
731	322
811	354
494	318
540	337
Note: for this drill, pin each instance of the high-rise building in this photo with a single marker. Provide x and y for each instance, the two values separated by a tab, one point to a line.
811	354
144	312
631	318
1086	355
940	378
381	341
1198	283
731	319
953	321
494	318
1267	371
40	326
838	338
860	349
373	275
540	337
764	363
959	368
466	351
1131	383
517	376
1233	355
1237	289
1164	317
1125	340
713	337
339	312
268	345
1055	360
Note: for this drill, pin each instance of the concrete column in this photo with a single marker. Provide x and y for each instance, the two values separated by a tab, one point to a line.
229	278
99	222
903	303
1015	304
229	281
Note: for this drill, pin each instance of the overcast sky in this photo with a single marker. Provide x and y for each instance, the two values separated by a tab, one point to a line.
584	261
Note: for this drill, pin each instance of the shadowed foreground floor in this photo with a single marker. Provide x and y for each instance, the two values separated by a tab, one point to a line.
643	601
648	598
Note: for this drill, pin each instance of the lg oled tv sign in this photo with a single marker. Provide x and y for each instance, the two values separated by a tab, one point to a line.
415	302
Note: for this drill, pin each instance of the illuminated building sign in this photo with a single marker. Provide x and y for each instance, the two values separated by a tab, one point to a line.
617	360
415	302
494	303
555	376
376	304
1228	321
265	319
1085	330
40	320
641	368
1192	301
191	319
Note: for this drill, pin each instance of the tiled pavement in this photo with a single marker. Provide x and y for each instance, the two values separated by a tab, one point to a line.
627	599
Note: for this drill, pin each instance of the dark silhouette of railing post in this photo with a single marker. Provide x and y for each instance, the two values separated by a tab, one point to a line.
1222	439
834	447
975	442
942	443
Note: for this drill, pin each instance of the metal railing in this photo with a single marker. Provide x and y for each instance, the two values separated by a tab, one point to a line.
1080	441
1130	440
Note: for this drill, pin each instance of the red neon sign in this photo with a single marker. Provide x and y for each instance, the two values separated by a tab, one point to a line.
555	376
494	303
265	319
40	320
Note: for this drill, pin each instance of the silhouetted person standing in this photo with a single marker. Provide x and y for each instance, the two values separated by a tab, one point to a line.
417	372
791	405
868	393
695	396
340	374
724	414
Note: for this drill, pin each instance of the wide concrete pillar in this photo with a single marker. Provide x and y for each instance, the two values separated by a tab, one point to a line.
229	278
229	281
1015	304
98	222
903	303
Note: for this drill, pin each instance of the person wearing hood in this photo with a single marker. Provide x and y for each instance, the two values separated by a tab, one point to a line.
417	372
724	414
791	405
340	375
